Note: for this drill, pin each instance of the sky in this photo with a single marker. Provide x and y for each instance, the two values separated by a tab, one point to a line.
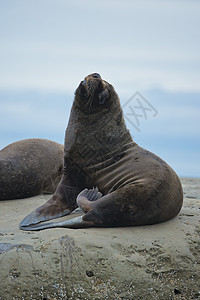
148	49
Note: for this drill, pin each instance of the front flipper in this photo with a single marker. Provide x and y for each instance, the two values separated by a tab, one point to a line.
62	203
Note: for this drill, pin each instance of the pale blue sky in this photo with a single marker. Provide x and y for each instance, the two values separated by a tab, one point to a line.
48	46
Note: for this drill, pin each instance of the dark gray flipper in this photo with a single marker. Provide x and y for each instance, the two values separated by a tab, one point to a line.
54	209
39	215
77	222
62	203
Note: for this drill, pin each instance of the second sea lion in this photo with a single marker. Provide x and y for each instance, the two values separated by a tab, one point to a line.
29	168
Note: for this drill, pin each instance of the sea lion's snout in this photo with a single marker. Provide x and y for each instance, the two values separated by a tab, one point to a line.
90	77
93	93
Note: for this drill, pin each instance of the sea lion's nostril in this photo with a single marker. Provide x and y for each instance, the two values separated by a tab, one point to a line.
96	75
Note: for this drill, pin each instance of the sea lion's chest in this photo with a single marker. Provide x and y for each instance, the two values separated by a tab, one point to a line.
106	158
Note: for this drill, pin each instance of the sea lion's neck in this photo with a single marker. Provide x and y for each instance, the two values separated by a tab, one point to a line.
89	134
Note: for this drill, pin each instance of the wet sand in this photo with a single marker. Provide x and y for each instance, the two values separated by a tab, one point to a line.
149	262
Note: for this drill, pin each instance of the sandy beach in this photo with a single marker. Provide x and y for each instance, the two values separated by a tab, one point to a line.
148	262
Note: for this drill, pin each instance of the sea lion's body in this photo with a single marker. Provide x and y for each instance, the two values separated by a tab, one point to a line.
138	175
30	167
136	186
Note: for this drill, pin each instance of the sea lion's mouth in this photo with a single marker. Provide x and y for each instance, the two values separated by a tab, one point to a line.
93	93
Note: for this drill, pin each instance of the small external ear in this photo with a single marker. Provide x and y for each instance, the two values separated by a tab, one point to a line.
103	96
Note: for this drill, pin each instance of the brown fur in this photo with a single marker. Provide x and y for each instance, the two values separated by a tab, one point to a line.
138	187
30	167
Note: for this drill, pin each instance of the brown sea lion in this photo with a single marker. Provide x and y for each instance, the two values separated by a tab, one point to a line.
135	187
30	167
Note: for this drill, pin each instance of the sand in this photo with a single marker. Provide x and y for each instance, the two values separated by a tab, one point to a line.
149	262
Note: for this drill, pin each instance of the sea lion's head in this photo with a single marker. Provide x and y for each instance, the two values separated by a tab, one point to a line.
94	94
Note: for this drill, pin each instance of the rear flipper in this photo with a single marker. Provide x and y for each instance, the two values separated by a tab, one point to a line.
77	222
86	196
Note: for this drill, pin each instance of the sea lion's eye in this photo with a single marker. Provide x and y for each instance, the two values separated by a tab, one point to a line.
83	82
103	96
96	75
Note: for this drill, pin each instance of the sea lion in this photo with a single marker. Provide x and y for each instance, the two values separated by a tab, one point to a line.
113	180
30	167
